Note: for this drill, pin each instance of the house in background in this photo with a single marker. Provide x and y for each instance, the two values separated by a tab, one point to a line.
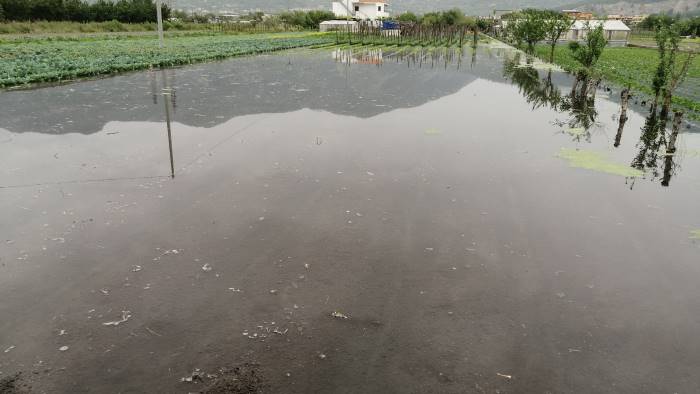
361	9
578	15
629	20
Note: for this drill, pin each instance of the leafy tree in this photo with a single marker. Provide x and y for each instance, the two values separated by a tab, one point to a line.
654	21
135	11
591	50
529	27
306	20
408	17
314	18
16	10
2	14
668	74
483	24
555	25
453	17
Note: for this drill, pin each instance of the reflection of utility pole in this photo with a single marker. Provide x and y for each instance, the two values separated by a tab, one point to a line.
166	101
159	15
168	92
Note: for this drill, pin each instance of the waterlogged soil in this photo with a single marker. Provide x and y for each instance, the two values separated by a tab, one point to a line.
345	222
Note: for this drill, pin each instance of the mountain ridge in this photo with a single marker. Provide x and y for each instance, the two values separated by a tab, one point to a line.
472	7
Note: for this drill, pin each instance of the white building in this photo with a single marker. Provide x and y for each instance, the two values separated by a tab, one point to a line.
361	9
338	25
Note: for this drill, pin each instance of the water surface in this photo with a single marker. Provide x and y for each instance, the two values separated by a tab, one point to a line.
420	194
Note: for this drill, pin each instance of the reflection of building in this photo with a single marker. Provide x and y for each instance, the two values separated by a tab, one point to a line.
361	9
578	15
365	56
616	32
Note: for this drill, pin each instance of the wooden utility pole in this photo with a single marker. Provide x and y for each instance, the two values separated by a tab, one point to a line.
159	14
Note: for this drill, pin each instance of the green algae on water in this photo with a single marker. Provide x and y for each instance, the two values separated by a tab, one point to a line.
695	234
432	131
597	162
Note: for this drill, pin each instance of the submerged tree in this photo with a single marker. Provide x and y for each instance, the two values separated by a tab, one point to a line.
555	25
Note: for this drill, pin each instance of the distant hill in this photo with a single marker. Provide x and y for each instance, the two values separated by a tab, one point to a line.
474	7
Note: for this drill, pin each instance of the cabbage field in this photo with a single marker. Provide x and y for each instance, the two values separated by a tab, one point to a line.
28	61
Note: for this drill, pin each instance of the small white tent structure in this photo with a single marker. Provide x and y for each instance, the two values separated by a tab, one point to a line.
338	25
616	32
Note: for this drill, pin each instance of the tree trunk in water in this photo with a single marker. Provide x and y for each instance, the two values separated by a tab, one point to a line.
667	104
584	87
624	99
671	148
573	88
594	86
677	119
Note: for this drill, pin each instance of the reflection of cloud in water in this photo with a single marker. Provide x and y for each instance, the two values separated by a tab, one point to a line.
209	94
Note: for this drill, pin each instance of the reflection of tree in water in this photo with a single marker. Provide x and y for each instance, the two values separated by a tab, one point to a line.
657	147
542	92
656	154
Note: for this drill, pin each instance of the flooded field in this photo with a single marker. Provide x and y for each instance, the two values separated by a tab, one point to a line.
346	221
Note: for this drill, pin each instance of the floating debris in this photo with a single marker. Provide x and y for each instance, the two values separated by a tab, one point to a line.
167	252
63	348
573	350
264	331
273	291
196	376
235	290
206	267
597	162
561	294
504	376
153	332
9	349
370	173
126	315
136	268
322	356
339	315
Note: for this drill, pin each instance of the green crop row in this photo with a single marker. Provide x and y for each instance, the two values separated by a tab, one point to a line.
27	62
633	67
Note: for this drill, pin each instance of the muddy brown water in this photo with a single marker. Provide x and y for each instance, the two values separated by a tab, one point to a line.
342	223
